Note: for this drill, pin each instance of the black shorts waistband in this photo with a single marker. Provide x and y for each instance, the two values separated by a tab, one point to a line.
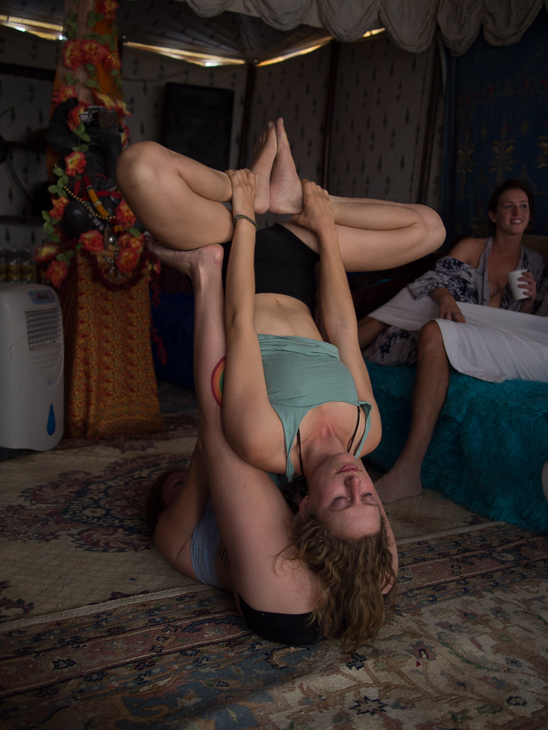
283	265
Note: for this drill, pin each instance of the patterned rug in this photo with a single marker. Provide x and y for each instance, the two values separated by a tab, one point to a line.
72	529
466	648
98	631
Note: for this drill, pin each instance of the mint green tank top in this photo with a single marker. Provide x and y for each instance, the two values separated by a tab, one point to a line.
302	374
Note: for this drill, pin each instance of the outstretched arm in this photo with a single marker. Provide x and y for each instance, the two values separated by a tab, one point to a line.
337	307
251	431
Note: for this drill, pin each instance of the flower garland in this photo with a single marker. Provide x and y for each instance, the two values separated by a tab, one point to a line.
114	246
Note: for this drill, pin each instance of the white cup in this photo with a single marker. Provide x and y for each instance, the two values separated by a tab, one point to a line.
517	292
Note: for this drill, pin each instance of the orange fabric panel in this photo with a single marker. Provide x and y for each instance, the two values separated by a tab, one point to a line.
109	373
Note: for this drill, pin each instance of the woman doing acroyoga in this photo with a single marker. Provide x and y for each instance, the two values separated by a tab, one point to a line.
291	400
292	403
295	580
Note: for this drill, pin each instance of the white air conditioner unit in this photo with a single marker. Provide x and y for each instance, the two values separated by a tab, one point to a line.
31	367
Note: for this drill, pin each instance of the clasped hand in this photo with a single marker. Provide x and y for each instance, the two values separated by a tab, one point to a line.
317	214
243	192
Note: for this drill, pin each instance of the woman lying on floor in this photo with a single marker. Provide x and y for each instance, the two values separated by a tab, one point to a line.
294	578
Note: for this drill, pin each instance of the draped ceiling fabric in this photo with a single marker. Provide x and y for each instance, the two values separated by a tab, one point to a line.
412	25
257	30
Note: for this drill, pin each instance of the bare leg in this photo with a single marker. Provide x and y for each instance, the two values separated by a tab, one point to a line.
176	525
368	331
373	234
376	235
204	267
252	515
179	200
429	392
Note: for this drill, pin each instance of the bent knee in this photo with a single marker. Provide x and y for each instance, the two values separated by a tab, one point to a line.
434	229
430	334
139	163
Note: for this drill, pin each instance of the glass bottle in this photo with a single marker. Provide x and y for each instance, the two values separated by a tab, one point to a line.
3	266
27	267
14	266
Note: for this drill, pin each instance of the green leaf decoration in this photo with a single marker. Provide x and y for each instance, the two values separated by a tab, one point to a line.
94	18
71	25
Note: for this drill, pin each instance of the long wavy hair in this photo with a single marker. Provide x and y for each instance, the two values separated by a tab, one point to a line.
352	573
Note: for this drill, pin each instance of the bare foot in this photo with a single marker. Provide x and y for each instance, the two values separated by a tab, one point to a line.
397	484
195	262
286	194
263	158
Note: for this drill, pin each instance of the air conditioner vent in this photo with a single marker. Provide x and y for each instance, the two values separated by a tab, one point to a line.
44	327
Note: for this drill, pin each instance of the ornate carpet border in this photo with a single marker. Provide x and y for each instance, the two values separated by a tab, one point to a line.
92	608
456	653
448	532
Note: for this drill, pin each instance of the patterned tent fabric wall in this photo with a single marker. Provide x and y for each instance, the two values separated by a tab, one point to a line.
379	122
499	109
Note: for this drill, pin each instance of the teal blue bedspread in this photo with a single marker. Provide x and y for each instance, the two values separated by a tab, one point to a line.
489	446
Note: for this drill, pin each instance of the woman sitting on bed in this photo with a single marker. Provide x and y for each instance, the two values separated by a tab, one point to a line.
295	579
475	271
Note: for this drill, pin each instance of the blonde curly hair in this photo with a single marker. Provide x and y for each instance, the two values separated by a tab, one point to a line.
353	574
